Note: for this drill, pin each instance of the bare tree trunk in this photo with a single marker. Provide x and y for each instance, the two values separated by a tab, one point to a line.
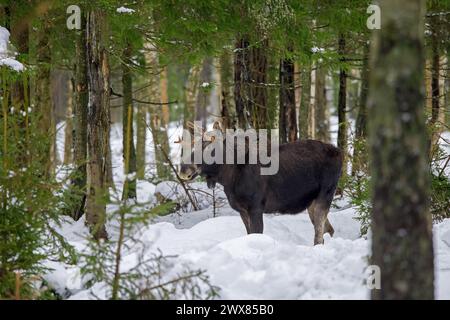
226	84
305	106
257	98
68	130
43	98
98	121
129	151
342	105
241	79
320	106
159	124
203	94
191	90
287	117
359	147
401	223
312	104
141	138
80	114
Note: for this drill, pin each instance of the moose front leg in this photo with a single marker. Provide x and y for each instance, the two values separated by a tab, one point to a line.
246	219
256	221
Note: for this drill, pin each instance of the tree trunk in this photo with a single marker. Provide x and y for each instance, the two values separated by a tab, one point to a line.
401	223
43	99
158	125
320	106
435	64
305	106
80	115
203	94
287	117
342	105
129	151
191	90
141	138
68	130
257	86
98	122
359	148
226	84
241	78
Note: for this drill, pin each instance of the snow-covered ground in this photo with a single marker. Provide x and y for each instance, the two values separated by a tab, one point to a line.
282	263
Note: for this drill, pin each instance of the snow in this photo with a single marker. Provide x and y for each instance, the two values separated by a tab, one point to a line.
125	10
282	263
5	55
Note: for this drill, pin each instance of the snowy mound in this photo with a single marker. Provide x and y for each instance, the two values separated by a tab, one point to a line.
5	56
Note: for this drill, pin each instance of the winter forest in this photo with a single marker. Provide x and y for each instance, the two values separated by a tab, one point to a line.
97	202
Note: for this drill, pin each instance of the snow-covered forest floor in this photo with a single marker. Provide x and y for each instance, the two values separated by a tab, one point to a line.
282	263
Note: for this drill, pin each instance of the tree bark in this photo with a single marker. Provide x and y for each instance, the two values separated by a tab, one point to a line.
159	123
191	90
320	106
98	121
257	85
401	223
287	116
80	116
359	161
305	106
342	105
226	84
43	99
241	79
141	140
68	130
203	94
129	150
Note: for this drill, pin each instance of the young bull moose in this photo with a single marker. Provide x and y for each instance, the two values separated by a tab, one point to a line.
308	174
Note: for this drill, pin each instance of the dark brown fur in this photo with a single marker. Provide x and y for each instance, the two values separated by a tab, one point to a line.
308	174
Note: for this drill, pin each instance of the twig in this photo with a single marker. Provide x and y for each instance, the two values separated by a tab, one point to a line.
143	102
175	171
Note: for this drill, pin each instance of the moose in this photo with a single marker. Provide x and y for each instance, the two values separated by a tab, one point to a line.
307	178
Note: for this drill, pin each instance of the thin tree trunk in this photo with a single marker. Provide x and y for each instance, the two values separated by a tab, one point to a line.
43	98
141	133
158	125
320	106
98	122
305	107
435	65
258	86
129	151
287	117
226	84
359	148
80	115
241	79
401	223
191	94
342	105
68	130
203	94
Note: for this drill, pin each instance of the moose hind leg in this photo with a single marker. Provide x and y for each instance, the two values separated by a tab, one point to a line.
329	228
